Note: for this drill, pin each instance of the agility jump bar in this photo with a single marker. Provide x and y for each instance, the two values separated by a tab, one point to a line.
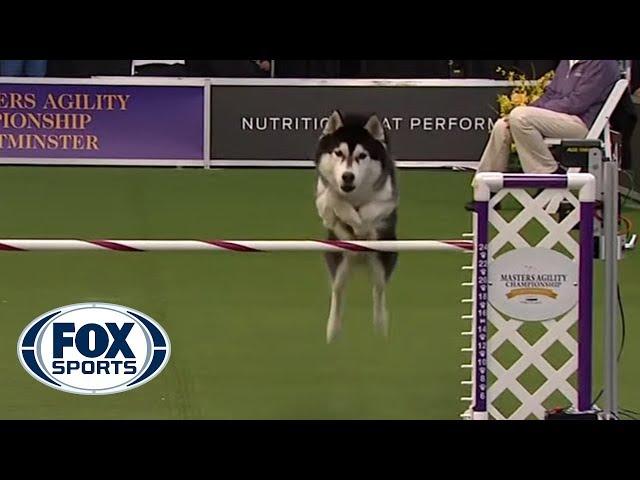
26	245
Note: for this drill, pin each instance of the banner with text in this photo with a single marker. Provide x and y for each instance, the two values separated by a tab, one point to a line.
282	123
41	121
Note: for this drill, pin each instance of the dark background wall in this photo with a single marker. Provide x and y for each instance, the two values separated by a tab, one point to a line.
316	68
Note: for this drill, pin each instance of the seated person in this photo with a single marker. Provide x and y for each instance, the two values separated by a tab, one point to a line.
23	68
568	107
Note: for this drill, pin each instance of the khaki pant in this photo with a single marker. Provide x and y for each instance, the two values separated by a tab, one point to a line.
527	127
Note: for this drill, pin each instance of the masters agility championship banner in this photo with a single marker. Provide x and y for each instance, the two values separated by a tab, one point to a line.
109	122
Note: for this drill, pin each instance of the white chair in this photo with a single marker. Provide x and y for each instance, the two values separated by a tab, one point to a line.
600	130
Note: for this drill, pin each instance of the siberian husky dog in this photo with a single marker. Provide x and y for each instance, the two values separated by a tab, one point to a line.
357	199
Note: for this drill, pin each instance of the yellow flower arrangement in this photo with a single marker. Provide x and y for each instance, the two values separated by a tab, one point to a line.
524	91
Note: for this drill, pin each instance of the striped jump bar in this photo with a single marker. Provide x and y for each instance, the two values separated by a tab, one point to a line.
26	245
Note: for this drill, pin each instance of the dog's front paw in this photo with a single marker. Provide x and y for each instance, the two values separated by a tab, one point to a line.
333	329
328	217
364	231
329	224
381	322
361	233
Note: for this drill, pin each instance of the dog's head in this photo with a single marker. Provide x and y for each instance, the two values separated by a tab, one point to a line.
352	152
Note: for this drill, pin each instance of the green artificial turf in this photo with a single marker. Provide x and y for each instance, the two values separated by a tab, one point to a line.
248	330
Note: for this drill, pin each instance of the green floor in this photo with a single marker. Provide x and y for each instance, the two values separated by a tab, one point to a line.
247	331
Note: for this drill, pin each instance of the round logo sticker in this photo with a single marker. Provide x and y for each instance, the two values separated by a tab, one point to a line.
94	348
533	284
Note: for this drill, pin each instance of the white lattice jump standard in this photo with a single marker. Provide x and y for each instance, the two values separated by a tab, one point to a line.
517	282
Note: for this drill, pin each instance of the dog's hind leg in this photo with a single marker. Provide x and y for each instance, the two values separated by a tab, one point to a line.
339	266
381	266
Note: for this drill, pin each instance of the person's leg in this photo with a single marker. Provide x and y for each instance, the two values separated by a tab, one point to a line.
530	126
11	68
495	157
35	68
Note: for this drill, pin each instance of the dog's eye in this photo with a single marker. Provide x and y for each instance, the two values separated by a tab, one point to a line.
362	156
338	153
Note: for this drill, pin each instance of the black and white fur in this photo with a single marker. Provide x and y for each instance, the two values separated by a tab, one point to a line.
357	199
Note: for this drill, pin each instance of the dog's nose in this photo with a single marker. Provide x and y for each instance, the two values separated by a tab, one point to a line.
348	177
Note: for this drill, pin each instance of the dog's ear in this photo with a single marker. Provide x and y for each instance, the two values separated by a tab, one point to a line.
375	128
334	123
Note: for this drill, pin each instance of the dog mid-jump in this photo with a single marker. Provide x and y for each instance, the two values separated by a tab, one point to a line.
357	199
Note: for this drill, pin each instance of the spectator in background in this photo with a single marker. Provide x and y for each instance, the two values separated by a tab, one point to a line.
23	68
158	68
264	66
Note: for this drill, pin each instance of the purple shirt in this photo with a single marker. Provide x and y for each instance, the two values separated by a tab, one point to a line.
581	90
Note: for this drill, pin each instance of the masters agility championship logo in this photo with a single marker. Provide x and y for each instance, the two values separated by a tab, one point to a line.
94	348
533	284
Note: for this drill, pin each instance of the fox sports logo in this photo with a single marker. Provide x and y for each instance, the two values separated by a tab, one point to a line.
94	348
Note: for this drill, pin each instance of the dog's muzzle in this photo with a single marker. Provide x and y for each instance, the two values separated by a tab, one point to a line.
347	182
